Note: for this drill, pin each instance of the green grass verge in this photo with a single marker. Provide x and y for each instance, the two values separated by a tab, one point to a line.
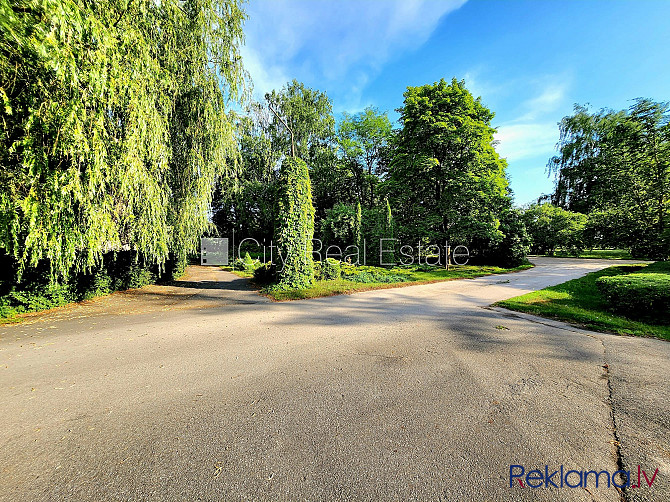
411	277
240	273
602	254
579	301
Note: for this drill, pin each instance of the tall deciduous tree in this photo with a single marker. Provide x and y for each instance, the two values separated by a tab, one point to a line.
446	180
363	140
303	121
308	113
114	125
618	164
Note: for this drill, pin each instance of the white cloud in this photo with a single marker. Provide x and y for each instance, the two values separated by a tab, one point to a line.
334	40
550	97
519	141
533	132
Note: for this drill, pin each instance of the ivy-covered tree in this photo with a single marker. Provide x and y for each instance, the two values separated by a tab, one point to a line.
295	225
358	226
114	125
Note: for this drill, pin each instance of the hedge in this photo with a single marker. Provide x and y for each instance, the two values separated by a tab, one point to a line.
638	295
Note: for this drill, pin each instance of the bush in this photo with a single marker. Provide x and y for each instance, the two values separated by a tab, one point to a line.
330	269
37	291
637	295
367	274
265	273
317	271
248	264
511	251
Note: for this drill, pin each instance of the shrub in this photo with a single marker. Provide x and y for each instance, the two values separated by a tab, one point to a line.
367	274
37	291
330	269
512	251
248	264
265	273
637	295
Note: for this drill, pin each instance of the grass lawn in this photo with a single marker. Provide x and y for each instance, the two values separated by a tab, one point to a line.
393	278
603	254
240	273
580	302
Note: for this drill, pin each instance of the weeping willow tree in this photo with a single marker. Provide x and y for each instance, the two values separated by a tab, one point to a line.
114	127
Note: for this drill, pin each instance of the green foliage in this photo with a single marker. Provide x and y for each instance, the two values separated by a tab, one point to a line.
364	141
552	227
266	273
248	264
295	226
114	127
118	271
617	165
580	301
369	274
245	201
358	228
389	246
446	181
339	227
309	115
511	251
330	269
366	278
640	295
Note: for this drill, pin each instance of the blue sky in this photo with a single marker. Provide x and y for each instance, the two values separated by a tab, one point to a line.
530	61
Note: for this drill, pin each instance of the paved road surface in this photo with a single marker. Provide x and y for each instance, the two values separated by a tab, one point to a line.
206	391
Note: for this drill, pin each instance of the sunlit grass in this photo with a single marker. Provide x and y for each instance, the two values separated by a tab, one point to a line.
603	254
412	277
579	301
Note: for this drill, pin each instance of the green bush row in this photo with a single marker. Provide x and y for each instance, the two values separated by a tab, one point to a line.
369	274
638	295
332	269
36	291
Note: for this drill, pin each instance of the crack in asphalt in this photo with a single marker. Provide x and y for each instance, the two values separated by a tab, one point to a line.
615	431
623	493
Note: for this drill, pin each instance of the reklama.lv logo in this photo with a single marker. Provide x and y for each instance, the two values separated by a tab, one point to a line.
573	478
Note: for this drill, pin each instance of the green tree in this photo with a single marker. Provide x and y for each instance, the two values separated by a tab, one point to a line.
389	257
618	164
551	228
515	245
295	229
114	125
303	117
446	180
245	201
363	140
308	113
358	226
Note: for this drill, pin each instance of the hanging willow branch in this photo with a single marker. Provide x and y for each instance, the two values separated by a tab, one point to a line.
114	132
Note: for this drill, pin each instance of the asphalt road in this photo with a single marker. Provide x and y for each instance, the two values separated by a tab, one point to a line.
206	391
